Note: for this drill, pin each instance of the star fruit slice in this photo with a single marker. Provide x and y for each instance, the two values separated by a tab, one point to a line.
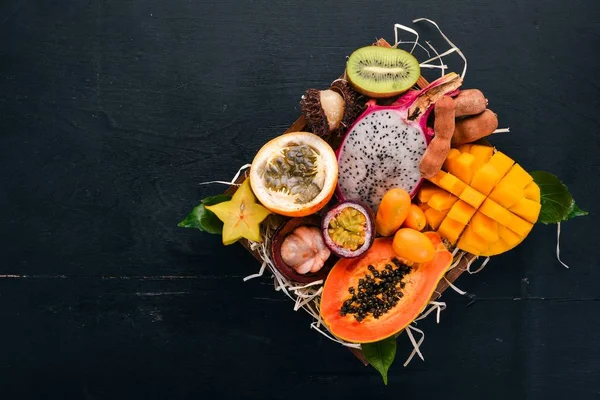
241	215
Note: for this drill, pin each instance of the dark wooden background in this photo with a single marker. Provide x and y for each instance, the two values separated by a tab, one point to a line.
112	112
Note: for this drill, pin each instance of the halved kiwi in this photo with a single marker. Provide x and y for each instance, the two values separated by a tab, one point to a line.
382	72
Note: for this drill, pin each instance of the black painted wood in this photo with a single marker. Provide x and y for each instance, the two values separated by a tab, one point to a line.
113	111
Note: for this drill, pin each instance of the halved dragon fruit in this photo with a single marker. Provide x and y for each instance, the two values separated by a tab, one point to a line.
383	149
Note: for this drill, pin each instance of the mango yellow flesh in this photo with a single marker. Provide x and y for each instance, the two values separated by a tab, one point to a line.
481	200
241	215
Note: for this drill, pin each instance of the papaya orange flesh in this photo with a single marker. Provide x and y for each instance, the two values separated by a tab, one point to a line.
419	285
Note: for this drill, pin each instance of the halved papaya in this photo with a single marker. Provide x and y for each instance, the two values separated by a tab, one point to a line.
375	296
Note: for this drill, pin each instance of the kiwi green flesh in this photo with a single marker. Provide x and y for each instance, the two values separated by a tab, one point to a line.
382	72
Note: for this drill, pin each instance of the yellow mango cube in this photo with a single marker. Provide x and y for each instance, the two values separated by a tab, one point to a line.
508	236
482	154
461	212
527	209
507	194
485	179
450	229
464	148
496	212
485	227
426	191
452	184
472	197
448	182
532	192
501	162
442	201
519	225
462	168
497	247
472	242
518	177
454	153
434	217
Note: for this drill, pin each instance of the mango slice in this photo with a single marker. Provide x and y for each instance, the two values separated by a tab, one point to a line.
449	183
527	209
442	201
509	237
518	177
472	242
434	217
485	227
461	167
485	179
482	155
452	155
461	212
507	194
451	229
532	192
472	197
501	162
487	204
427	191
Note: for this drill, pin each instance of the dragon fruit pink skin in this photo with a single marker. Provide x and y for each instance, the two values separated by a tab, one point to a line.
384	146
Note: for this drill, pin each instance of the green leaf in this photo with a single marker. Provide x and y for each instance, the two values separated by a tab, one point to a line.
557	203
576	211
203	219
381	355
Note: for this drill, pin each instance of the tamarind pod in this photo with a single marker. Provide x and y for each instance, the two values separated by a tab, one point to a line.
474	128
470	102
439	147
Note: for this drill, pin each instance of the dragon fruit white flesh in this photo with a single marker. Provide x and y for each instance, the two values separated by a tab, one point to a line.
384	146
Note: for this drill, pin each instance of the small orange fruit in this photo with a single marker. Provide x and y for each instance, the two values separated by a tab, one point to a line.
392	211
415	218
413	245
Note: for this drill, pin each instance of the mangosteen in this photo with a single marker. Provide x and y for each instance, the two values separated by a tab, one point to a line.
299	251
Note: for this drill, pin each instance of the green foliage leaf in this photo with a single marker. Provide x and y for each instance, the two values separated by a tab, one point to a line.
576	211
203	219
381	355
557	203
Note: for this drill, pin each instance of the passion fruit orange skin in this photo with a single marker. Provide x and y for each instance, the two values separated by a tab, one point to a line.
299	210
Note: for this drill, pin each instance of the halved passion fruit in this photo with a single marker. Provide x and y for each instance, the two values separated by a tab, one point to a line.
294	174
299	251
375	296
348	229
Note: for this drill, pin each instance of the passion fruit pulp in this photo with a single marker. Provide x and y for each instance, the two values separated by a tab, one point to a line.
348	229
294	174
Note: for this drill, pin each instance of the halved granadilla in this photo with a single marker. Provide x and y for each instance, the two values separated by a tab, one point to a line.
348	229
